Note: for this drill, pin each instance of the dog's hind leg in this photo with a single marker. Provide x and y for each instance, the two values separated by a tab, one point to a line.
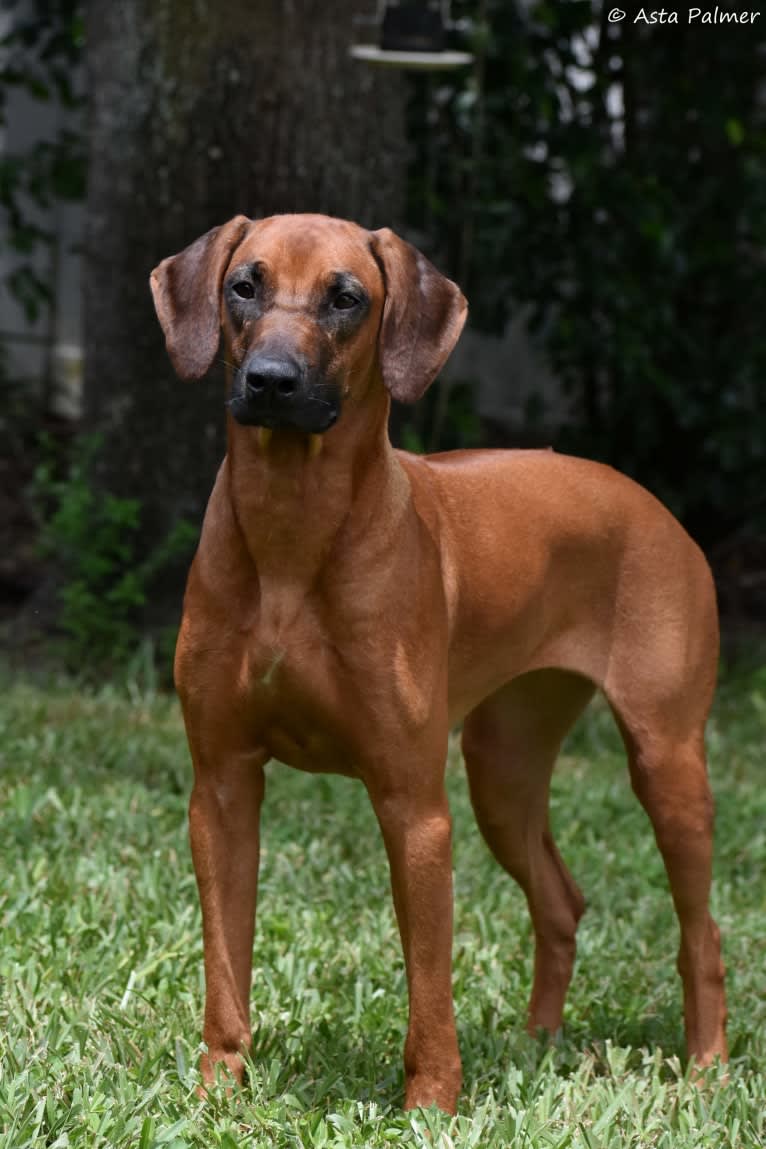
510	745
669	776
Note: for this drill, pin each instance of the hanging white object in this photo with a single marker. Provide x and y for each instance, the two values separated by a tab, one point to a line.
412	35
415	61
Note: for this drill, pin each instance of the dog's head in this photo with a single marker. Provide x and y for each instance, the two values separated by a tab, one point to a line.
314	312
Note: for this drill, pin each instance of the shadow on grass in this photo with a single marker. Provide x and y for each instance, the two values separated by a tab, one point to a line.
330	1064
487	1056
334	1063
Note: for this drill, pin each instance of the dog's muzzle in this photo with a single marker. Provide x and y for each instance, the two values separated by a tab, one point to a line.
280	393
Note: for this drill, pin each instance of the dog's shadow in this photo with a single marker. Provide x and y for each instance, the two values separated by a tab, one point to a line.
329	1064
334	1063
489	1053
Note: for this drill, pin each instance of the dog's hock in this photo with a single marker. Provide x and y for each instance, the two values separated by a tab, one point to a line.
187	297
423	316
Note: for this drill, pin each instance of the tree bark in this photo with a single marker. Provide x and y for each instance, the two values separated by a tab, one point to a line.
199	111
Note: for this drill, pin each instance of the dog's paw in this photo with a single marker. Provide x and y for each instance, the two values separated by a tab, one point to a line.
220	1070
423	1091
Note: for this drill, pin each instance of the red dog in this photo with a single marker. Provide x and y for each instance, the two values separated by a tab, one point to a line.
350	603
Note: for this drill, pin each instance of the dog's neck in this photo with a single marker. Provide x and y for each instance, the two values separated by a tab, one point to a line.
294	494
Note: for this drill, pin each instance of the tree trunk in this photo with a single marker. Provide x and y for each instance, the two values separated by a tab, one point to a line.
199	111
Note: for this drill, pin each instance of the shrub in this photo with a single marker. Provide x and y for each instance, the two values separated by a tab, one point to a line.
94	539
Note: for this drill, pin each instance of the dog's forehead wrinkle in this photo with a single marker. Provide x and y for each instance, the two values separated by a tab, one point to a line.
344	278
314	251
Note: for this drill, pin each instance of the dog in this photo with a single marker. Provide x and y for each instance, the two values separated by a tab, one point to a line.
350	603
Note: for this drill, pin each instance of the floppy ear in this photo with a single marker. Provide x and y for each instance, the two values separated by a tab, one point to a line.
187	297
423	316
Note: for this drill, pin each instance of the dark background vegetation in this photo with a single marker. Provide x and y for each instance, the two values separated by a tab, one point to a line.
626	212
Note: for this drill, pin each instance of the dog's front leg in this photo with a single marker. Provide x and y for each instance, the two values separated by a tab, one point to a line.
415	821
224	815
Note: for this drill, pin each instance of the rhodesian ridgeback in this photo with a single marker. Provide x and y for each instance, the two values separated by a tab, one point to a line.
350	603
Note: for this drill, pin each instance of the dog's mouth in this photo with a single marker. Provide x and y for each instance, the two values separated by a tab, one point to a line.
312	412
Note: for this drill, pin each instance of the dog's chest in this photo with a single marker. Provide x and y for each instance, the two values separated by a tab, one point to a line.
293	679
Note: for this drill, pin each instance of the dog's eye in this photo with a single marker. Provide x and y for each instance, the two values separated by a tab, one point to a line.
345	301
243	289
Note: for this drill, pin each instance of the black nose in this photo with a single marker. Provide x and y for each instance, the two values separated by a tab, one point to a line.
279	377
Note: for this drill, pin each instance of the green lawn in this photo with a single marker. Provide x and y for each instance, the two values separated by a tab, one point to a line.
101	966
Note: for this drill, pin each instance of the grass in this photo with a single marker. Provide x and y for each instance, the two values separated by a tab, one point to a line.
101	968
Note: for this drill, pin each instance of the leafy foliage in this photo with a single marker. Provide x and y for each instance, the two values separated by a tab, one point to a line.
103	575
614	177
